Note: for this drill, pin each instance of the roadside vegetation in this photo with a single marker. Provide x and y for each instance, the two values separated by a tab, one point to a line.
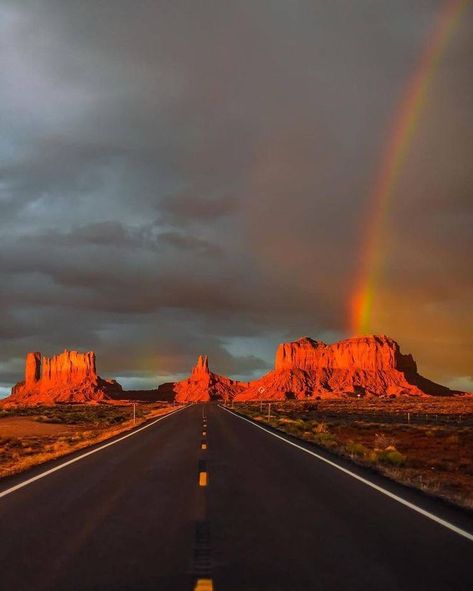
33	435
433	452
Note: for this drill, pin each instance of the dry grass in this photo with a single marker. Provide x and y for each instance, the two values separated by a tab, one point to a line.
31	436
435	456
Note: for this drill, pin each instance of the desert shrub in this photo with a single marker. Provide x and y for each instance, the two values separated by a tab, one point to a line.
286	421
320	428
356	449
86	434
11	442
73	438
28	450
382	441
325	438
102	415
372	456
295	427
392	457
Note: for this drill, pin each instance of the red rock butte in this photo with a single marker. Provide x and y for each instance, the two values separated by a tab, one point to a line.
362	366
204	385
70	377
371	366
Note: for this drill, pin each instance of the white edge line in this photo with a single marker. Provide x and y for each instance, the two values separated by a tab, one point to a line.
439	520
82	456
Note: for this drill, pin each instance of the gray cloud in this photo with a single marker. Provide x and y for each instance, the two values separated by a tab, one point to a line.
180	177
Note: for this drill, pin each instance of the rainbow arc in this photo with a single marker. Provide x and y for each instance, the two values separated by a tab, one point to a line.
395	153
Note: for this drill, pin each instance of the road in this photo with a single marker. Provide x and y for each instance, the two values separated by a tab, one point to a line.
248	513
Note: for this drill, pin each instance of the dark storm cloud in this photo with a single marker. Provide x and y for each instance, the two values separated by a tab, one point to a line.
180	178
182	207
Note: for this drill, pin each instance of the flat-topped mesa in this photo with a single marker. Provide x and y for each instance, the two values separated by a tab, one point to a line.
68	377
362	366
371	353
70	367
204	385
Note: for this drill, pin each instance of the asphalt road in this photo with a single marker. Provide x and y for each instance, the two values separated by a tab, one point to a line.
250	512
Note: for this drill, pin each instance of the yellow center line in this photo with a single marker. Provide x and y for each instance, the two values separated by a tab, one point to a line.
202	478
204	585
203	446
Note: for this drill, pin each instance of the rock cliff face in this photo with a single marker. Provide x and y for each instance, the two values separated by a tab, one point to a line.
365	366
306	368
68	377
204	385
368	353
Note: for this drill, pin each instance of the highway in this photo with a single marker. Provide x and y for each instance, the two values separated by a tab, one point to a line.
204	499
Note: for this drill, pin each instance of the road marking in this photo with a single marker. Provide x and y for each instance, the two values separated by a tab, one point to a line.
203	446
84	455
202	478
439	520
204	433
204	585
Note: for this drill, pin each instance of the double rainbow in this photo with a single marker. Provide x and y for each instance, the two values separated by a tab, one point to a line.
394	156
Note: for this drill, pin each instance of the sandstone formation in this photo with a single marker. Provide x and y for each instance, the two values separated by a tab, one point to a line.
368	353
204	385
364	366
70	377
306	368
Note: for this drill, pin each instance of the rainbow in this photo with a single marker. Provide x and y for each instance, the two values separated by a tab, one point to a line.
404	125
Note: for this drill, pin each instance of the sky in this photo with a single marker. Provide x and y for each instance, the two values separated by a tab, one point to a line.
181	177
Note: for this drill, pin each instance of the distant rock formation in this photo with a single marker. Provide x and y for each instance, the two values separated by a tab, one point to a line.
204	385
363	366
70	377
371	366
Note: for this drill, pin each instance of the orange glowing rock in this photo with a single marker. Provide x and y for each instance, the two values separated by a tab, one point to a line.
68	377
363	366
372	353
33	368
204	385
201	368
